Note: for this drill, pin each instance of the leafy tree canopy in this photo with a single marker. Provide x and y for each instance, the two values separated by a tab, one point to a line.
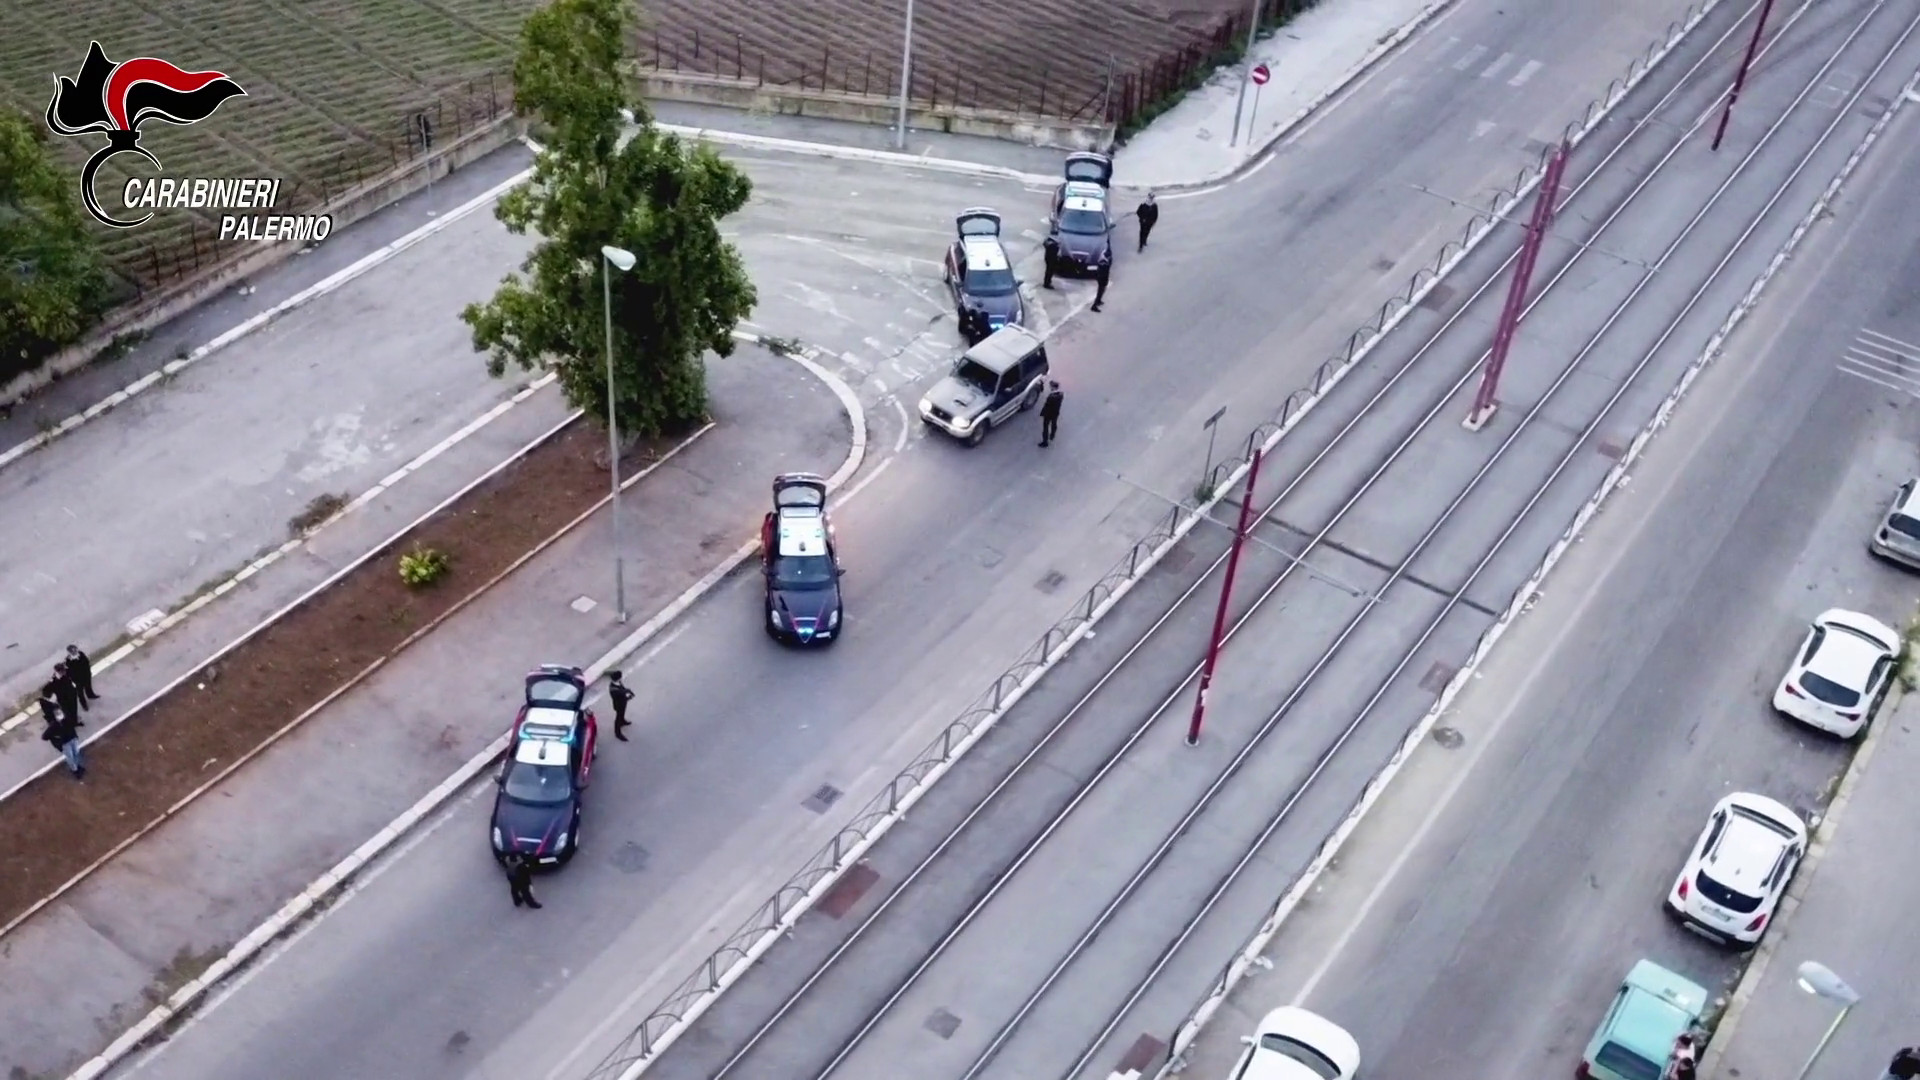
53	285
653	195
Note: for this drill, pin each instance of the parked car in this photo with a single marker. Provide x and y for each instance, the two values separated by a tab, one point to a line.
1081	226
1898	537
1292	1043
800	563
986	295
1635	1041
1841	672
1736	874
991	381
536	811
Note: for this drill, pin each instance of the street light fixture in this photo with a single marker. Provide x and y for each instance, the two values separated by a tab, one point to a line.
1820	981
613	258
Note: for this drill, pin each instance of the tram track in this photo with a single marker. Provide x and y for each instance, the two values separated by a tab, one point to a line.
752	1056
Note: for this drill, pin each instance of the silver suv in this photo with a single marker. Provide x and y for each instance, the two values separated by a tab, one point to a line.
1004	374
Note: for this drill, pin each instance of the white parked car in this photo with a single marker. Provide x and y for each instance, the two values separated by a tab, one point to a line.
1738	871
1840	673
1294	1044
1898	535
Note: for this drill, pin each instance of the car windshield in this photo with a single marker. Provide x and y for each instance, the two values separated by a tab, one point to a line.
1725	896
802	572
1295	1050
976	375
1905	526
1625	1063
555	690
1083	222
989	282
542	785
1825	689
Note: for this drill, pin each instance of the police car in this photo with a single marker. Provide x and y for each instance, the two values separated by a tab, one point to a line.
802	568
550	752
1080	226
986	295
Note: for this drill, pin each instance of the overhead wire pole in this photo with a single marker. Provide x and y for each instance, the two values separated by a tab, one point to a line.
1740	79
1486	399
1220	615
906	80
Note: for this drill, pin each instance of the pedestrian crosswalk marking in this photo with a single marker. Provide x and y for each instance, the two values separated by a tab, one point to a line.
1499	64
1884	361
1473	57
1527	71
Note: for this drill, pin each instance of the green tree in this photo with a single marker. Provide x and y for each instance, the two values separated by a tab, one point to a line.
653	195
53	285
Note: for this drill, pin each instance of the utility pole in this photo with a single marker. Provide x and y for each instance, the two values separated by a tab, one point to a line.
1226	591
906	80
1246	72
1740	79
1486	400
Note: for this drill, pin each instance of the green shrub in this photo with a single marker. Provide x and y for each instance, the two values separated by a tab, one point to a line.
422	567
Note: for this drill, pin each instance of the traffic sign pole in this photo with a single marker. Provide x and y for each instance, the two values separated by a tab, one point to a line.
1260	77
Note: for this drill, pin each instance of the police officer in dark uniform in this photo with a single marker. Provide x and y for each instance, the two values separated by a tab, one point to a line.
1050	255
80	668
1100	282
1149	215
520	880
66	692
620	695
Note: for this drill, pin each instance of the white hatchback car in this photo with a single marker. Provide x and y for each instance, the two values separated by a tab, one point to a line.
1737	873
1294	1044
1842	669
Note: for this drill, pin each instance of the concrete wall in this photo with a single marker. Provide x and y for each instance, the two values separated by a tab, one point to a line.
747	95
161	305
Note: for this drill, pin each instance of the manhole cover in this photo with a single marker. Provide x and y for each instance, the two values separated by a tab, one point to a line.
943	1023
1611	447
820	800
1448	737
1052	581
848	890
631	858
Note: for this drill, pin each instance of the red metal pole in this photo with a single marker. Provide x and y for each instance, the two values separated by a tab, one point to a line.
1485	401
1739	80
1226	590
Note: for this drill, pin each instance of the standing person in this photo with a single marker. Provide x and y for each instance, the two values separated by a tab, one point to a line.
81	668
1051	250
1100	282
520	880
1149	215
1050	412
49	705
1681	1065
1905	1065
618	691
61	734
67	693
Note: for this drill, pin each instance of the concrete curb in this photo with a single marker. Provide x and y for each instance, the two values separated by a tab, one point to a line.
1386	46
178	1006
318	289
1522	600
1802	879
745	141
171	619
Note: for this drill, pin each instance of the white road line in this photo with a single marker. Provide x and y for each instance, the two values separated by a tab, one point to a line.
1883	353
1905	348
312	292
906	425
1499	64
1897	367
1527	71
1858	374
1473	57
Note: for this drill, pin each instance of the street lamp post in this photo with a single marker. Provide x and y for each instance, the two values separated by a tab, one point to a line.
1819	980
623	260
1246	73
906	80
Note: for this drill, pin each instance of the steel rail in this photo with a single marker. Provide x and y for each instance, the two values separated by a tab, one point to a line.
1454	599
1640	125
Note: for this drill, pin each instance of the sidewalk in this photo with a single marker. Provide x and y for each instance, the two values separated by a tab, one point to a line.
154	917
1308	58
1855	914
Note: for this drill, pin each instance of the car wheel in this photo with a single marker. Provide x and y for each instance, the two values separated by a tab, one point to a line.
1032	398
979	434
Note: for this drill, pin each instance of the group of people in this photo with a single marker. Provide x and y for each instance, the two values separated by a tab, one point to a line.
1147	213
62	700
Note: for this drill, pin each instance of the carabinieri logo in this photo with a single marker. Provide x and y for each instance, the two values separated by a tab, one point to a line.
114	99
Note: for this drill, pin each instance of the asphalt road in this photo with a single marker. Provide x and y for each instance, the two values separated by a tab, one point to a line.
1480	920
953	559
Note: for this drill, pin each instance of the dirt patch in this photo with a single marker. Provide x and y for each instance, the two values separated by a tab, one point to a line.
186	737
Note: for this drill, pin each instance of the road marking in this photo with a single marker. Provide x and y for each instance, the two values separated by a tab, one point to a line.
1499	64
1904	348
906	425
1473	57
1527	71
1893	366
